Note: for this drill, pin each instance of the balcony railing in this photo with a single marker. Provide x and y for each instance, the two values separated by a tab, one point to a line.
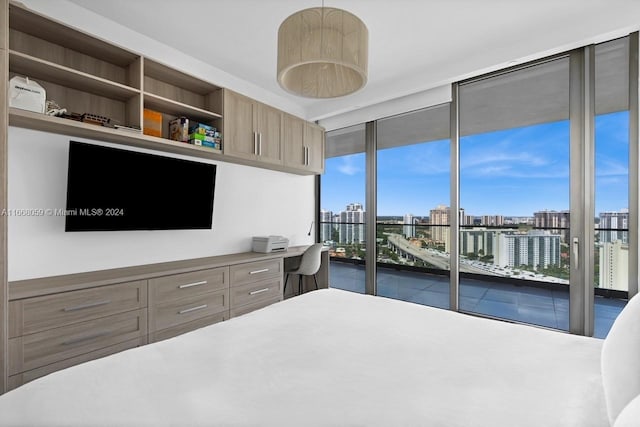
533	303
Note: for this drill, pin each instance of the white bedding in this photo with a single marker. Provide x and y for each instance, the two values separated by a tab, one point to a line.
331	358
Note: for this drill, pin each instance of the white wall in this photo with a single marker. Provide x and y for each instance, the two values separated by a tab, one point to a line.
248	202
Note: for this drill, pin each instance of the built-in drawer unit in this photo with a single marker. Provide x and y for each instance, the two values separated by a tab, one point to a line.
36	350
183	302
248	308
255	285
187	327
170	288
251	272
24	377
38	314
185	310
58	322
249	293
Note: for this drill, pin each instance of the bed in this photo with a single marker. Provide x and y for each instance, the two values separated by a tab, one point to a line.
335	358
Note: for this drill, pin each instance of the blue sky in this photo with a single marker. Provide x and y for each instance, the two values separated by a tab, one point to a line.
512	172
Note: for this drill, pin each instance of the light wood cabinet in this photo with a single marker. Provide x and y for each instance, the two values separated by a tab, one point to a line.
57	322
4	76
314	144
50	332
182	302
85	74
253	130
303	145
255	285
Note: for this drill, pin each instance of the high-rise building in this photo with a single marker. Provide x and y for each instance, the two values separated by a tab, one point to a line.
409	229
553	219
478	241
536	249
614	265
492	220
438	218
466	219
326	226
612	222
352	224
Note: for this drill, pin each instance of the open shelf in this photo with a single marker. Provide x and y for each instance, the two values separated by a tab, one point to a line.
31	120
36	69
166	105
34	24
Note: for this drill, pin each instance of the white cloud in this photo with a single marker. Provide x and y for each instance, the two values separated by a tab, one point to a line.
349	166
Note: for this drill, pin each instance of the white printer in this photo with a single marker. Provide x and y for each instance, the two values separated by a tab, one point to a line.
270	244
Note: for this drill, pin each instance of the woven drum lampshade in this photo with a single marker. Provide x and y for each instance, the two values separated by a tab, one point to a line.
322	53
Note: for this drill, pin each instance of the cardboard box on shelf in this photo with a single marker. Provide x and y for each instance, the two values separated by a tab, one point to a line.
152	123
179	129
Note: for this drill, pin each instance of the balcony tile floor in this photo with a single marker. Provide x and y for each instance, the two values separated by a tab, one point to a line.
526	304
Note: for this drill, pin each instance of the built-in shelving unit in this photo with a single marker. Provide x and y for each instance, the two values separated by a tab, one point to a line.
85	74
28	119
175	94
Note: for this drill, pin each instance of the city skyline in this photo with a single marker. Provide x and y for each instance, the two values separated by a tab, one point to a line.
513	172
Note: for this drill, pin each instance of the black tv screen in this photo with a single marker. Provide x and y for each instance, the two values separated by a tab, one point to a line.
110	189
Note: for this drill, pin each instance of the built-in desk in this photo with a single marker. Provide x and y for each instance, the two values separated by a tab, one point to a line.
57	322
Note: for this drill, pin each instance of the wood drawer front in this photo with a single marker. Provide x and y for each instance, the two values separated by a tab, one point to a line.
43	348
187	309
169	288
188	327
253	292
24	377
248	308
251	272
38	314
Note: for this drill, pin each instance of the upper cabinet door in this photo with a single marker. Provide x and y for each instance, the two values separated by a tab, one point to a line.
292	142
268	125
314	145
240	139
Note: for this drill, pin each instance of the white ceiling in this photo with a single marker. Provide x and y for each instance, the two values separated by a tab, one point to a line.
414	45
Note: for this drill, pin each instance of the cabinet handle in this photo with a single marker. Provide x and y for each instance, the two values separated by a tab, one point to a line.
83	306
306	156
260	144
86	338
188	285
259	291
189	310
264	270
255	143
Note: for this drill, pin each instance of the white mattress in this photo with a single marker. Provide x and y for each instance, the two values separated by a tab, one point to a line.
331	358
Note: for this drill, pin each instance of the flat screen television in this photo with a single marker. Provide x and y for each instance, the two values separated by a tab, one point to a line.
109	189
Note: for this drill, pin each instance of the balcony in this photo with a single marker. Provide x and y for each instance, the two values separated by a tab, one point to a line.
511	300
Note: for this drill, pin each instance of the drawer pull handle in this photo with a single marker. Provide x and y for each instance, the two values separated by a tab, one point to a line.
188	285
264	270
259	291
86	338
189	310
90	305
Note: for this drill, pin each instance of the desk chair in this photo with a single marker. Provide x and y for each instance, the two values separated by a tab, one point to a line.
309	266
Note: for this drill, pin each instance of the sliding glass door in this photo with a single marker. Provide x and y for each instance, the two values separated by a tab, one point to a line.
413	157
342	208
514	194
518	200
611	209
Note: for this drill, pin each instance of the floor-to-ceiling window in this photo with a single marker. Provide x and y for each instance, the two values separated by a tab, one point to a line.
544	191
611	208
514	194
342	207
412	206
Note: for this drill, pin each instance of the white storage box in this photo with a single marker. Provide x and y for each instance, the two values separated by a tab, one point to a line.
26	94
